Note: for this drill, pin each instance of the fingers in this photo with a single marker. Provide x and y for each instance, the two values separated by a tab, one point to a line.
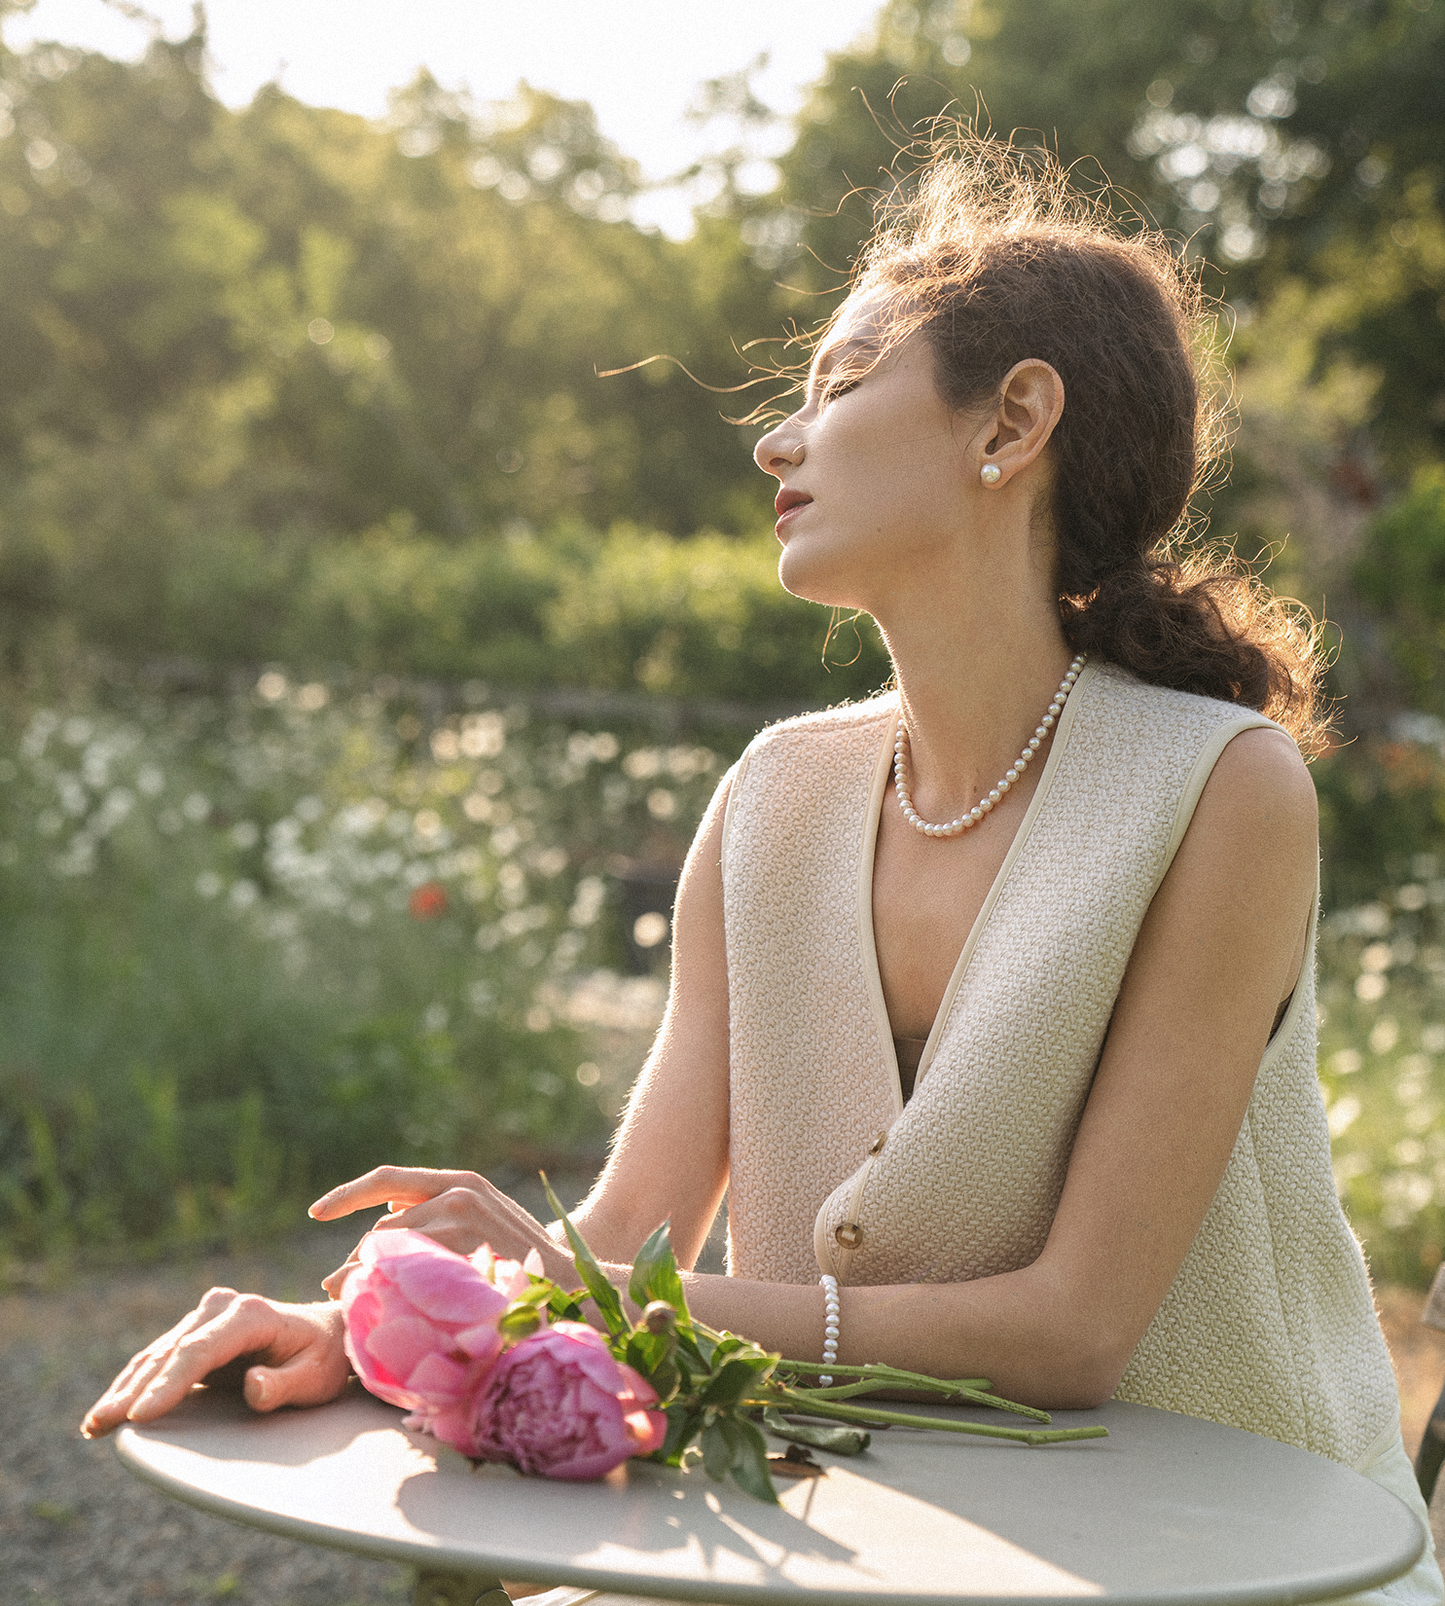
111	1409
333	1281
453	1218
391	1185
462	1218
314	1374
246	1326
297	1347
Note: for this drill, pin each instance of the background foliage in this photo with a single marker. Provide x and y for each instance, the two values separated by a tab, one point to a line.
293	400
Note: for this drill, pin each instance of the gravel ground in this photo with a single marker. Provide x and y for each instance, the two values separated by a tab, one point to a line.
76	1530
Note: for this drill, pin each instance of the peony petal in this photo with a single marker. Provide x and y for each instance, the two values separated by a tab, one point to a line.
648	1430
510	1278
453	1425
400	1345
450	1290
585	1348
442	1380
482	1343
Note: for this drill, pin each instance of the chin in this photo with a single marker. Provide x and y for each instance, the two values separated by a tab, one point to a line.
812	578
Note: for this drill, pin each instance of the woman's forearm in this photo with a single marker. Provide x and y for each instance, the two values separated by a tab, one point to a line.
1022	1330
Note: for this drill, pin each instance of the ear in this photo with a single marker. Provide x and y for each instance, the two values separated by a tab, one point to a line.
1031	401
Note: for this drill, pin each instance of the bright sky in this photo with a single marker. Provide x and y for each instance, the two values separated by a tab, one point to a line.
637	61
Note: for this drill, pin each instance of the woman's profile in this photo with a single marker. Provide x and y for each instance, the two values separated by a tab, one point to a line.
992	1007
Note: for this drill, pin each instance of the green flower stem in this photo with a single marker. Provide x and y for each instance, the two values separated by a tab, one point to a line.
973	1396
888	1376
808	1403
873	1376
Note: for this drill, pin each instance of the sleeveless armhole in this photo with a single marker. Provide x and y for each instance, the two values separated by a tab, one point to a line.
732	780
1198	779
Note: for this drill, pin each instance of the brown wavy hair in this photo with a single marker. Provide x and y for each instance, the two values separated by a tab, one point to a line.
995	257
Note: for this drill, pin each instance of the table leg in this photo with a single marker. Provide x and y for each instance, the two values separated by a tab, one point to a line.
457	1589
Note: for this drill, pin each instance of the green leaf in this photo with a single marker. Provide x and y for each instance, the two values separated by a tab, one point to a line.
841	1441
750	1463
604	1295
728	1385
682	1425
518	1321
695	1352
565	1306
717	1449
655	1274
651	1355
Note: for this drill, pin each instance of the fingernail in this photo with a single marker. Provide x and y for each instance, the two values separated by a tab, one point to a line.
258	1389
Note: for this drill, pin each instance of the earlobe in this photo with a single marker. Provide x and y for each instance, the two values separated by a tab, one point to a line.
1031	401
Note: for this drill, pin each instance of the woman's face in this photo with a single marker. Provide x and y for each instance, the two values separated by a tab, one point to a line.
873	474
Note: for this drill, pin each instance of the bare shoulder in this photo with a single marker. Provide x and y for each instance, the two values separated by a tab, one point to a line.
1260	795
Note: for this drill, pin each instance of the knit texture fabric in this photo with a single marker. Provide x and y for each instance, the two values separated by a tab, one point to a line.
1270	1324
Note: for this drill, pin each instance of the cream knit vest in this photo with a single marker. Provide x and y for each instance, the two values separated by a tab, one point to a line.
1269	1325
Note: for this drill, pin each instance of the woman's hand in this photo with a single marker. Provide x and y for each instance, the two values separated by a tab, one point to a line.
459	1209
295	1350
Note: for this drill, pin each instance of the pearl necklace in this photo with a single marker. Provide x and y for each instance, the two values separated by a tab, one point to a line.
966	822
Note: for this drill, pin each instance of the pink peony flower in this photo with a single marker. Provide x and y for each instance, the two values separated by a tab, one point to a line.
421	1325
559	1404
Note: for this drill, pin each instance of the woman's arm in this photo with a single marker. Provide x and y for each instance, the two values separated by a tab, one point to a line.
1221	945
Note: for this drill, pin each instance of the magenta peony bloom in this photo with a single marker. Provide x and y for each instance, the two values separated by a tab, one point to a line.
421	1325
559	1404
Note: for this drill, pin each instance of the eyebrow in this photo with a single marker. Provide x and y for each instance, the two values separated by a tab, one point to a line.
829	356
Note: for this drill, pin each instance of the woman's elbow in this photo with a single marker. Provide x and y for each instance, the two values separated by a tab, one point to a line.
1082	1364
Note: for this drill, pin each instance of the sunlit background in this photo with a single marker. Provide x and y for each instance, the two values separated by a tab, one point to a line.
639	63
367	656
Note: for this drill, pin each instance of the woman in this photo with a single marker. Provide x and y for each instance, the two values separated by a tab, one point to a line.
993	997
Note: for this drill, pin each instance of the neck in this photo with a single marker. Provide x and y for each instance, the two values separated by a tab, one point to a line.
975	677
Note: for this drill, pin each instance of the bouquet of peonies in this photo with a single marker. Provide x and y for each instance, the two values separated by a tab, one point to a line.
494	1359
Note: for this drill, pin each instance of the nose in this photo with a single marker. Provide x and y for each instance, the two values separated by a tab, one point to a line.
780	449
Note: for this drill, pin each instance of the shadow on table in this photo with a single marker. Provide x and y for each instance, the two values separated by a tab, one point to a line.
328	1432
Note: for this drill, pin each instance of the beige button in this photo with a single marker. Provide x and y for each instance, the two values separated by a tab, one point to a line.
850	1234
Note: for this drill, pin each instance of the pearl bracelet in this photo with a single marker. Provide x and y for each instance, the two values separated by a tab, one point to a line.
831	1317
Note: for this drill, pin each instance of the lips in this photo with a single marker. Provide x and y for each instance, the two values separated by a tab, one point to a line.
785	501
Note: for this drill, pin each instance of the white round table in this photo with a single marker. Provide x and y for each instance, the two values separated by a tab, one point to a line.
1168	1509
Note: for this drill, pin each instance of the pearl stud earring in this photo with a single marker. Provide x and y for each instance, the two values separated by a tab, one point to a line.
990	473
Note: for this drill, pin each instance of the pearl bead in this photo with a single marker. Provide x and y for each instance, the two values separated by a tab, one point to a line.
966	822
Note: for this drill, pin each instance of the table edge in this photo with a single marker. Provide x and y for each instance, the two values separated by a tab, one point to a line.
443	1557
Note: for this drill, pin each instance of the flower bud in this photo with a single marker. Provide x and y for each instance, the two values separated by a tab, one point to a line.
659	1317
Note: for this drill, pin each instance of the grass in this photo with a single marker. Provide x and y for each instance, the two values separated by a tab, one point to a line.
256	944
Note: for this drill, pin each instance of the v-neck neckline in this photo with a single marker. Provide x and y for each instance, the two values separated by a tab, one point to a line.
883	768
